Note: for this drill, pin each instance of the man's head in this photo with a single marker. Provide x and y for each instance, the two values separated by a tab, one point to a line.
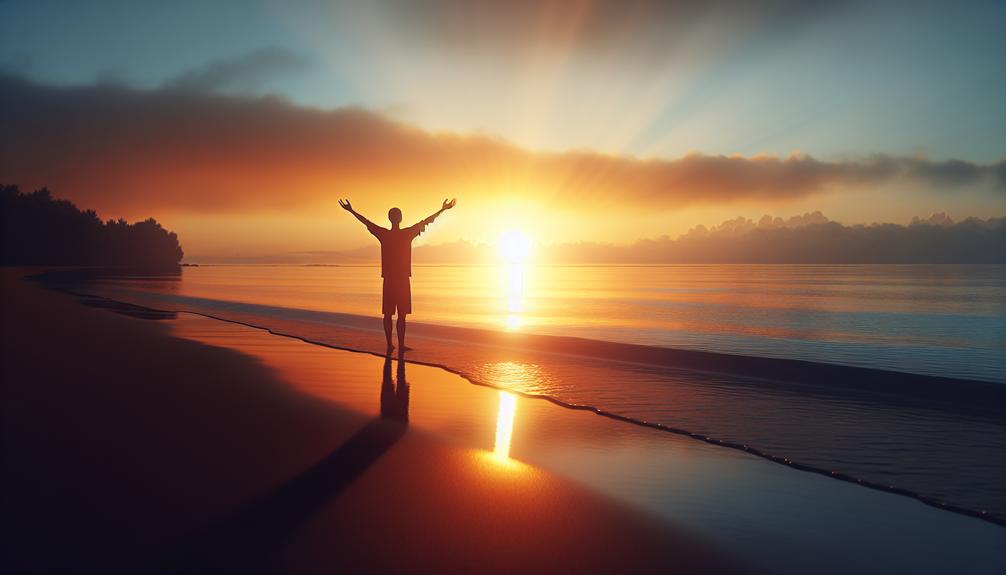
395	215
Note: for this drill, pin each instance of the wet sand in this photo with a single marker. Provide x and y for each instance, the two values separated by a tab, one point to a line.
127	448
773	517
937	440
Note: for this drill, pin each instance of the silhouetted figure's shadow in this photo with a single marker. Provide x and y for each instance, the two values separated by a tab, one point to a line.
249	540
395	398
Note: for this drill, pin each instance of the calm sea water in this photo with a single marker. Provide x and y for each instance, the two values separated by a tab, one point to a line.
942	320
775	519
947	320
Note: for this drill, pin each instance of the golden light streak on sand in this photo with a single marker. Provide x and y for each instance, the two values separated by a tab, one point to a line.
504	425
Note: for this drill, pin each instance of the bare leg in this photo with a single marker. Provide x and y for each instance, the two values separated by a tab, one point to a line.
401	332
387	330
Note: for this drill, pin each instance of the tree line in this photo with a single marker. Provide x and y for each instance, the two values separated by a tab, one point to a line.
38	229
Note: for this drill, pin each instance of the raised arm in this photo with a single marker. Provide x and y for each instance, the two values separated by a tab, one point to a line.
371	226
447	205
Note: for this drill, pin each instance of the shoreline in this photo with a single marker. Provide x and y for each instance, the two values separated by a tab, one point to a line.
122	453
971	393
141	311
946	482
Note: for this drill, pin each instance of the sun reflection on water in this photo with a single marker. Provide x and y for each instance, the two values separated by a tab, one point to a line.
515	249
513	375
504	424
514	322
514	295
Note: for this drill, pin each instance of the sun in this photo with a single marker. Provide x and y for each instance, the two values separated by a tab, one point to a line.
515	246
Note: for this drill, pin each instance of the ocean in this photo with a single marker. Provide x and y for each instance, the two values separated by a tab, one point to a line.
946	320
936	320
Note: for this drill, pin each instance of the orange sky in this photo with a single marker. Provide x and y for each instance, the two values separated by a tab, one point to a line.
243	176
575	120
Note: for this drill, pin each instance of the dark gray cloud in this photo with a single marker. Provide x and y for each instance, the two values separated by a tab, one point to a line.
133	151
809	239
806	239
244	72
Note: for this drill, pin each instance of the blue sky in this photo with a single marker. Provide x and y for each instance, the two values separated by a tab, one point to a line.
835	81
641	118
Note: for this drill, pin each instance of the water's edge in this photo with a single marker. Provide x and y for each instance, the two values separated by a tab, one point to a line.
979	395
997	395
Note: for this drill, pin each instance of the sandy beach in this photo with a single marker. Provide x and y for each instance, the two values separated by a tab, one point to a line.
931	437
127	448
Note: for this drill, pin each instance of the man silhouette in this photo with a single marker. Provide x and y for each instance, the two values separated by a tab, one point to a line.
396	264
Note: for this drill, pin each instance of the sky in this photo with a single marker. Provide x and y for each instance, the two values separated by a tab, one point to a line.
239	124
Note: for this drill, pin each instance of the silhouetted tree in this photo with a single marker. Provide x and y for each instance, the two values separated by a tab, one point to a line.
38	229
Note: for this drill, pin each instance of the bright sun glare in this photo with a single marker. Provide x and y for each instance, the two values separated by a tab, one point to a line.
515	249
515	246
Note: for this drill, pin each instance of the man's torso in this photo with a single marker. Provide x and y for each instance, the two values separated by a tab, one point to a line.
396	252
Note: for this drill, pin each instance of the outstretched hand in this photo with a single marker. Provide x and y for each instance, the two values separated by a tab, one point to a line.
449	204
346	205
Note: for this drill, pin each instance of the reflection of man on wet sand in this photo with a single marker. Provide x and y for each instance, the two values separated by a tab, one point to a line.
396	264
394	398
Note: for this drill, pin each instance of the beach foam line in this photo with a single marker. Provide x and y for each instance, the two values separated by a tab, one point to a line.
145	312
976	394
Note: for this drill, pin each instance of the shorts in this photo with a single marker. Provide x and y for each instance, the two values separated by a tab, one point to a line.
397	296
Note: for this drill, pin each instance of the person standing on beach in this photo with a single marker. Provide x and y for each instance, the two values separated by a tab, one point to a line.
396	264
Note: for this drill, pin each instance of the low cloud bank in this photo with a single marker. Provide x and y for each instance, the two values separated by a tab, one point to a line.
811	239
181	149
806	239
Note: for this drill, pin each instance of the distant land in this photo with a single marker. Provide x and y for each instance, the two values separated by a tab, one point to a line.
38	229
806	239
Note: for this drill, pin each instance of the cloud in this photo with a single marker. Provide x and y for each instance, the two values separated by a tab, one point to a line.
810	239
240	73
807	239
138	152
740	225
